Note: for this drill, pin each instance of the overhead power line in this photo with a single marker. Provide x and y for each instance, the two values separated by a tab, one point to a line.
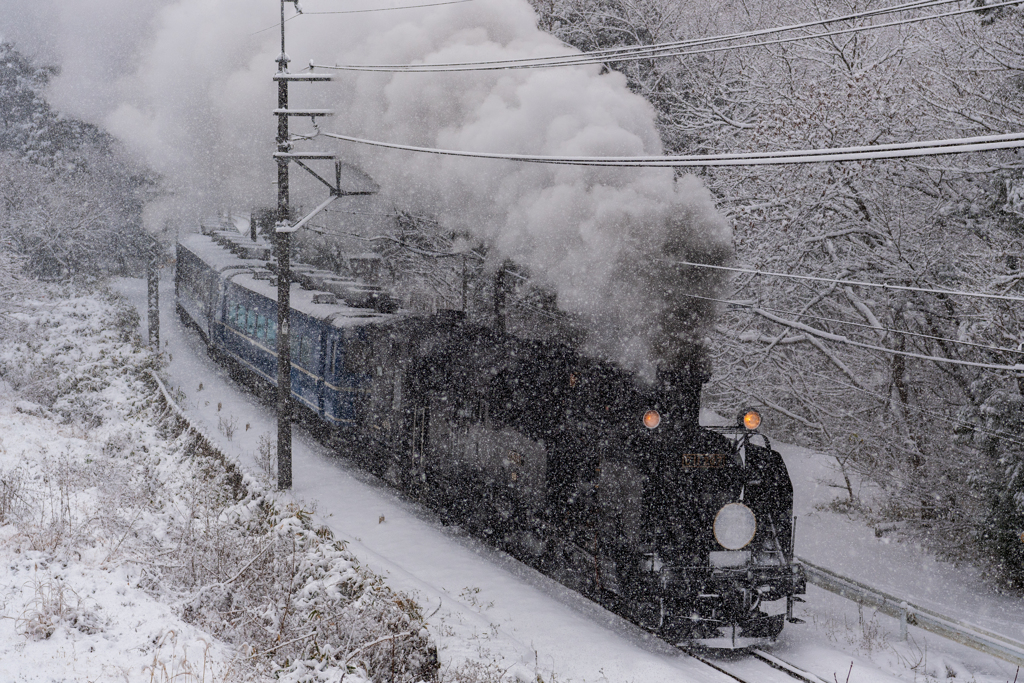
374	9
677	48
387	9
825	155
645	51
843	339
858	283
907	333
1009	438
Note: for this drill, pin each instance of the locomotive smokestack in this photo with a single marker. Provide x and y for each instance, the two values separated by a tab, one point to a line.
681	386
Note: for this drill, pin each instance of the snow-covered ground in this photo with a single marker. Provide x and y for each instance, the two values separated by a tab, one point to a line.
486	611
71	606
491	606
131	550
853	549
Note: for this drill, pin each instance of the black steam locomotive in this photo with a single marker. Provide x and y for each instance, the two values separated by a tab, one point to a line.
606	485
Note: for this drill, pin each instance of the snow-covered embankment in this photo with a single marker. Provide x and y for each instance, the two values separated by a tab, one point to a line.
132	549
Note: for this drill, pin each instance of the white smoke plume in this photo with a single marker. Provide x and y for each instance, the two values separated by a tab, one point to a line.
187	84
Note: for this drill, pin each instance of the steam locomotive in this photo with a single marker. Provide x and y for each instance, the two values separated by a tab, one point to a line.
609	486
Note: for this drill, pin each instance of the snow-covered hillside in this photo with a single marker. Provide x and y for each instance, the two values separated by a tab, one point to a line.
132	550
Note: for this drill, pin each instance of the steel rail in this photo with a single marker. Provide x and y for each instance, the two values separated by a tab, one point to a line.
714	666
914	615
772	661
786	667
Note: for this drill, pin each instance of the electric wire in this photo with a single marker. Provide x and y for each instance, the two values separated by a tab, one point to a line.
386	9
847	154
673	49
908	333
275	26
729	302
924	411
374	9
632	49
842	339
858	283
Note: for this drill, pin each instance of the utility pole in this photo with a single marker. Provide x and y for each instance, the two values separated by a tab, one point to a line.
284	156
283	247
153	291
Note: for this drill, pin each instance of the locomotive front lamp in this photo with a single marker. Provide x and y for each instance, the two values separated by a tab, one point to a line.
735	526
652	419
750	419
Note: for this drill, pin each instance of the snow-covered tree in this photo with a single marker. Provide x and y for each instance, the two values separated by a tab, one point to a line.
854	370
70	202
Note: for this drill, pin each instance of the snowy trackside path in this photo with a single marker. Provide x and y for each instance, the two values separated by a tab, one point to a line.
493	607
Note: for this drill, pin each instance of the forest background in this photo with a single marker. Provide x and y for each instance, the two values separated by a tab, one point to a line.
886	382
861	373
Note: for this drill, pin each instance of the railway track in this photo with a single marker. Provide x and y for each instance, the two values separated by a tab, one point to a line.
741	670
786	667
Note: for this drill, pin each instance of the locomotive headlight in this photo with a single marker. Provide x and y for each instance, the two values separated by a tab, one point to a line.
734	526
750	418
652	419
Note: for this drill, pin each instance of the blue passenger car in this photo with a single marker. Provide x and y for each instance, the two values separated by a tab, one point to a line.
233	302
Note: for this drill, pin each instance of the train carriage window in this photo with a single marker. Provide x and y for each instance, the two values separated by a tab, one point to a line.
261	327
250	324
271	331
357	356
339	356
302	351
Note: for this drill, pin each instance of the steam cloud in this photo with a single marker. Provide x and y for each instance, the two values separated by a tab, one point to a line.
187	85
